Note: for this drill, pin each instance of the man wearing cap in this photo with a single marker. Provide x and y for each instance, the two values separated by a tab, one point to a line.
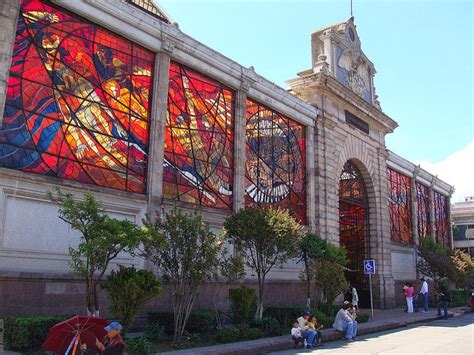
113	343
308	334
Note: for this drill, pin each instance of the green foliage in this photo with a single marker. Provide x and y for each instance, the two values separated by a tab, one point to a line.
324	319
269	325
316	252
200	321
138	345
362	318
284	314
265	238
154	332
239	333
330	280
102	239
243	300
129	291
28	332
187	254
464	266
438	262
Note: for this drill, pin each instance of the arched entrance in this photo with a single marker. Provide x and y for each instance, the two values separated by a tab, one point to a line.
354	226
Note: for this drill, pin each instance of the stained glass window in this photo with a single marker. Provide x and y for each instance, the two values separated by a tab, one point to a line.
423	211
400	207
275	166
77	101
441	218
199	140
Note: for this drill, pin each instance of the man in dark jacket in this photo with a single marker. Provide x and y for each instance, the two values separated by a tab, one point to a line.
444	298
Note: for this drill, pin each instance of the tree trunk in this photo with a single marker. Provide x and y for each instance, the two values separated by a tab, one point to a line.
259	311
91	297
308	285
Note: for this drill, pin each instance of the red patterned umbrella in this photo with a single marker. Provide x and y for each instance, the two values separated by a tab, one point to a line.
69	335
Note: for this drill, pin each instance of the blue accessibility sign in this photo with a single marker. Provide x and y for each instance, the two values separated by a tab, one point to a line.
369	266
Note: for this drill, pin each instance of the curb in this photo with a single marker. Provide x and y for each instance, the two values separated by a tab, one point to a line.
284	342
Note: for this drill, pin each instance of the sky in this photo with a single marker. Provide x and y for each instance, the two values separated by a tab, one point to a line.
422	50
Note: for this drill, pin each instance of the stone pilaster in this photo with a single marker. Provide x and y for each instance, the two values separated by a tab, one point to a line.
310	179
239	148
157	128
9	10
414	208
432	210
450	220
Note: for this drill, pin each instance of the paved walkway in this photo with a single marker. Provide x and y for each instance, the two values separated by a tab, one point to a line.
452	336
383	320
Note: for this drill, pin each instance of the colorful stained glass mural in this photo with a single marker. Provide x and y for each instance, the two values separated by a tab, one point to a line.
275	166
441	218
400	207
77	101
198	163
423	211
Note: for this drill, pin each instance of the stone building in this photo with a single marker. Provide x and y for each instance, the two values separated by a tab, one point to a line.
113	98
462	214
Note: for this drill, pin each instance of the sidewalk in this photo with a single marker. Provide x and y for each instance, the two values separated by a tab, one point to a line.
383	320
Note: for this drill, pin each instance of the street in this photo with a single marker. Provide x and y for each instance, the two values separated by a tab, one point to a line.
452	336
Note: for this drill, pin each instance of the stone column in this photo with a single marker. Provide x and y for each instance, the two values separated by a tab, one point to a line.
159	106
432	210
8	17
239	147
310	179
450	220
414	208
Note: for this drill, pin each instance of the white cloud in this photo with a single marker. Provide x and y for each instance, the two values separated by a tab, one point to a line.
457	169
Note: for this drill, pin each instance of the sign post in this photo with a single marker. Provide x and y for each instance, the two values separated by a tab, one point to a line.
369	268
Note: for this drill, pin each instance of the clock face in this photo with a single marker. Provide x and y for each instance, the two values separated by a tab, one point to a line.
351	34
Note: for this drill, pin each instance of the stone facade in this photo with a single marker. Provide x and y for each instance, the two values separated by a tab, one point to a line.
462	214
33	241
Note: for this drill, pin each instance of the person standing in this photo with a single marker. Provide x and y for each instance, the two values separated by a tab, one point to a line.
409	291
424	292
444	298
355	298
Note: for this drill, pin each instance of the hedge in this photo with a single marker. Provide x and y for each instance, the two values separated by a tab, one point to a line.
200	321
284	314
28	332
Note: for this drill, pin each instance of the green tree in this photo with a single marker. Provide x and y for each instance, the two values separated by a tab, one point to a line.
187	254
324	268
101	239
129	290
265	238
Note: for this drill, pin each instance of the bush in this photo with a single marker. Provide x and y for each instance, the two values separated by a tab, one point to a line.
243	301
284	314
324	319
129	290
138	345
238	333
154	332
200	321
363	318
28	332
459	297
269	325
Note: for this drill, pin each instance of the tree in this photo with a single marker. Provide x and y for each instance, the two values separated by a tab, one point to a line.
324	268
129	290
435	261
464	266
187	253
265	238
102	239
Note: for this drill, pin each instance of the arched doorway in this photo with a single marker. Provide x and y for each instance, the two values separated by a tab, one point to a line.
354	226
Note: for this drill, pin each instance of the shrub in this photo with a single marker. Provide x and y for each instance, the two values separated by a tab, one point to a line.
362	318
138	345
129	290
238	333
243	300
324	319
269	325
459	297
284	314
200	321
28	332
154	332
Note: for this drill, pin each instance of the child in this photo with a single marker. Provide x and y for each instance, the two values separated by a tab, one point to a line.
313	325
296	335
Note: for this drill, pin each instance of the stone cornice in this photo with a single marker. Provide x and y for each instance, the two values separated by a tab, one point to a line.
144	29
329	85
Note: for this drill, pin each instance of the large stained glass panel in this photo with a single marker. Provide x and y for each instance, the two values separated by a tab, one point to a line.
275	167
77	101
199	140
423	209
400	207
441	218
